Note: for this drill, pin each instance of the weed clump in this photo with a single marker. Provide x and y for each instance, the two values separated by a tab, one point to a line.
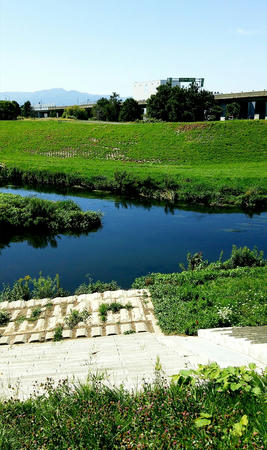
4	318
58	334
114	307
74	317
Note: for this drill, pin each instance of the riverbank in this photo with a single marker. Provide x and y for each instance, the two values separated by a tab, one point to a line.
215	164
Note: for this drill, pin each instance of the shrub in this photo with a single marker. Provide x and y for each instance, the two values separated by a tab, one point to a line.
98	286
75	317
114	307
58	333
27	213
4	317
244	257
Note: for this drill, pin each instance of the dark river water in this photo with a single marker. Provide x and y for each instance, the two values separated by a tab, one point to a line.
135	239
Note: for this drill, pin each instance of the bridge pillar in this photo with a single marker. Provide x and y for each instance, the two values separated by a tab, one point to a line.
251	110
265	110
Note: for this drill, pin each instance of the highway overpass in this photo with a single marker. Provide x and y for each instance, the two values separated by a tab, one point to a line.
253	105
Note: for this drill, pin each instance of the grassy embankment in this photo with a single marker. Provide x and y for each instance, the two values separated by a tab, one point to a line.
225	410
219	163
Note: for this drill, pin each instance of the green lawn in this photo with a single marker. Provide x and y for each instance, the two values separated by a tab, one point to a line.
226	160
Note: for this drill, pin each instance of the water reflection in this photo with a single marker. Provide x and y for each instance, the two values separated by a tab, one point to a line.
137	237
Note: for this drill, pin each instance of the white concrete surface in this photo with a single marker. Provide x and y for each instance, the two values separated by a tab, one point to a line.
126	360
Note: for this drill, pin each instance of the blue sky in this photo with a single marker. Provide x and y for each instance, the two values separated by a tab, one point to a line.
104	46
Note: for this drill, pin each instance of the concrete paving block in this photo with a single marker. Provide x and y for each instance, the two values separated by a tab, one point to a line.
45	301
58	300
94	305
125	327
10	328
49	336
135	302
95	319
140	327
38	302
31	303
67	334
81	332
52	322
20	339
35	337
57	311
96	331
23	327
40	325
138	314
111	330
28	313
124	316
4	305
15	314
4	340
71	299
70	308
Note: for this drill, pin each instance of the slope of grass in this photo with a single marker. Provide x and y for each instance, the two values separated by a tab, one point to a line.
214	163
220	294
208	415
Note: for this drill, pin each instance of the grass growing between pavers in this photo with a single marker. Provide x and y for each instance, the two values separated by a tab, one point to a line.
209	163
220	294
225	410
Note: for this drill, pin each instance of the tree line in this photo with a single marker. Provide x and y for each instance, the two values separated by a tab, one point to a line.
11	110
169	104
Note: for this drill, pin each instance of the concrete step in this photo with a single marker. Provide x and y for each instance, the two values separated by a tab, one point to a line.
251	341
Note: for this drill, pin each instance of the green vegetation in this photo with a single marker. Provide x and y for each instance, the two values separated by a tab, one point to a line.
47	287
58	336
74	317
4	318
9	110
211	408
30	213
27	288
220	294
179	104
211	163
98	286
114	307
233	110
75	112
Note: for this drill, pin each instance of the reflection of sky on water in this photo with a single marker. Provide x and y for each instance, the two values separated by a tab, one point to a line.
135	239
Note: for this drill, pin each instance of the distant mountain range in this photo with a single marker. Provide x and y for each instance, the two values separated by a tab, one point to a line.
58	96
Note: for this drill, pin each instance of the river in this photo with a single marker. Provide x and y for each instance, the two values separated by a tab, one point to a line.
136	238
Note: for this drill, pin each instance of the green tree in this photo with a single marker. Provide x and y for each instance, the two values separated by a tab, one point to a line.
176	103
157	105
108	110
100	109
9	110
27	110
75	112
214	113
130	110
232	110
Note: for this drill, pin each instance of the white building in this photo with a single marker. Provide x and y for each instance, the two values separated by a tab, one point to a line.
142	90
